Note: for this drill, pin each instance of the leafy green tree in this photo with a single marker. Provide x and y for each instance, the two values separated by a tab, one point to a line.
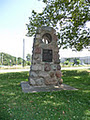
66	62
68	17
9	59
78	62
19	60
29	58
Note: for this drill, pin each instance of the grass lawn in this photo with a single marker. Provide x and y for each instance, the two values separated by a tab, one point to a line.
58	105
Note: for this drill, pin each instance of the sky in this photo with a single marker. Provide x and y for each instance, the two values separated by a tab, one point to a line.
14	16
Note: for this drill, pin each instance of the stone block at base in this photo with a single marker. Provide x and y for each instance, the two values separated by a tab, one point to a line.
26	88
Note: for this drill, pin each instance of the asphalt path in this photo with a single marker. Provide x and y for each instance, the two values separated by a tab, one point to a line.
13	70
22	70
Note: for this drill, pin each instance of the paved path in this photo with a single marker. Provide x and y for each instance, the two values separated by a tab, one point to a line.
21	70
13	70
74	68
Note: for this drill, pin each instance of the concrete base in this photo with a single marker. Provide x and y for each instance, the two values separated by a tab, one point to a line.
26	88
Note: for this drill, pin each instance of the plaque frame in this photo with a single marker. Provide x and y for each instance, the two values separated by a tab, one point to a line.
47	55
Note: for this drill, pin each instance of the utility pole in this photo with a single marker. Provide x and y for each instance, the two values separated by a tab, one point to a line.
23	51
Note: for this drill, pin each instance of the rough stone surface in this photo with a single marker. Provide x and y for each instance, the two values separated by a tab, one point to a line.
33	74
34	62
43	74
60	81
36	56
32	82
58	74
27	88
55	37
37	50
38	30
56	61
47	28
49	81
37	43
36	67
38	61
58	67
38	36
40	81
54	67
56	57
51	74
45	67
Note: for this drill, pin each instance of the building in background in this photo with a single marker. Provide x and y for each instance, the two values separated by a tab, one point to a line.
83	56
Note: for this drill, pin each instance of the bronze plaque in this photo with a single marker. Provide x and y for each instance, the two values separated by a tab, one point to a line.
47	55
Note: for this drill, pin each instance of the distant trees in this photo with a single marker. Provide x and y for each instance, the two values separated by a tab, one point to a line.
72	61
29	58
6	59
19	61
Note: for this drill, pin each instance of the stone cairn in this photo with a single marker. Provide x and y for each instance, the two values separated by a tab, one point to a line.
45	68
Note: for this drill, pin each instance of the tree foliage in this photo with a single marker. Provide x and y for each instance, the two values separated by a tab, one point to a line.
29	57
68	17
6	59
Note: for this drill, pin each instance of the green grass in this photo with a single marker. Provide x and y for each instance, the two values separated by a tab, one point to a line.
60	105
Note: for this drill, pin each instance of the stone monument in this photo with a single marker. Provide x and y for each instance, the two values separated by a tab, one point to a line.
45	68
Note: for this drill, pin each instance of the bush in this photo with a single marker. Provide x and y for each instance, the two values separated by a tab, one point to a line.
66	62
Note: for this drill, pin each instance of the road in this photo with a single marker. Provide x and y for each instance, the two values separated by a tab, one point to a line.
22	70
74	68
13	70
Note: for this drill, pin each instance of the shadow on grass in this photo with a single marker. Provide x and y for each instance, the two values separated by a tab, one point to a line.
63	105
60	105
77	78
75	72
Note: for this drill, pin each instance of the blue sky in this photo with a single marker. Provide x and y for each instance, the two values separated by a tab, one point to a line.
14	13
13	19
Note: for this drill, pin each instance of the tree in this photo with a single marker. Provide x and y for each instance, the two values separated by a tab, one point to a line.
19	60
29	58
66	62
77	61
7	59
68	17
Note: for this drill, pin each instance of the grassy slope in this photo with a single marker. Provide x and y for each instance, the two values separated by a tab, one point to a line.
61	105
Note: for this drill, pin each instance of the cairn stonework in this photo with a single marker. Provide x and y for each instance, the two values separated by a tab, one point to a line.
45	68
